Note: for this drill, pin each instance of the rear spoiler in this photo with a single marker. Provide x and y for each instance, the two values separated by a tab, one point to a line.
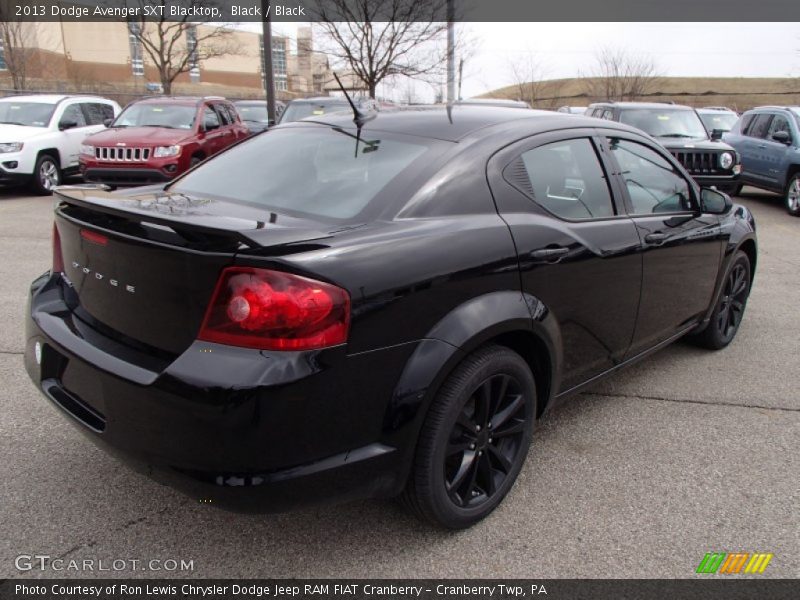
181	214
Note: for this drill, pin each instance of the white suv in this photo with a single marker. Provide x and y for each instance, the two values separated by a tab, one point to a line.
41	136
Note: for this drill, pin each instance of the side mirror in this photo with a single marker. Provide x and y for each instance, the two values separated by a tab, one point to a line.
783	137
714	202
716	134
66	124
108	122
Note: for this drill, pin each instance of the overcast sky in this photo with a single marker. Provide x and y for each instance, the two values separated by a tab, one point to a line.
678	49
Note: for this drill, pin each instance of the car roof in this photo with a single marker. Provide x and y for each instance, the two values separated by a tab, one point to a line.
792	108
179	100
494	102
714	110
458	121
51	98
654	105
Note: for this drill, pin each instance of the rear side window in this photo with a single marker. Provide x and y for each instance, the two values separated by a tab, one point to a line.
566	179
308	171
760	126
224	115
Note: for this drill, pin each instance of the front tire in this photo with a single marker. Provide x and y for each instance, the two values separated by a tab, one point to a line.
46	175
729	311
792	196
474	440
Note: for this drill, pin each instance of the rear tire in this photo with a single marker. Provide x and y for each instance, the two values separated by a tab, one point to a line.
474	440
729	310
791	196
195	160
46	175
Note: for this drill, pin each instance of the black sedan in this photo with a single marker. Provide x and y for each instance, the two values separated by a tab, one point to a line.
384	308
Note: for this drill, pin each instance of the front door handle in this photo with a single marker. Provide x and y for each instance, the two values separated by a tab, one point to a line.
656	238
549	253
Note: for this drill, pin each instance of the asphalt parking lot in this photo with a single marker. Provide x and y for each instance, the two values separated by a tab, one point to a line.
686	453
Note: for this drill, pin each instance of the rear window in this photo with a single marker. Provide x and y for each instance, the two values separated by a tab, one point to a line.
308	171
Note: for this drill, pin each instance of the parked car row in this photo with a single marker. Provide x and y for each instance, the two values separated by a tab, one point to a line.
45	138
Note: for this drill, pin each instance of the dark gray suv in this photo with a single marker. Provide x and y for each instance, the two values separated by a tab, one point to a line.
768	139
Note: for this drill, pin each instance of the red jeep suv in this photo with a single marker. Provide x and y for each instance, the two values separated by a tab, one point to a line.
156	139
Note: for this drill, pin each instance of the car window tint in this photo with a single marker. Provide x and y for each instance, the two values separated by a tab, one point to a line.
313	171
760	126
94	113
210	117
779	123
224	117
747	120
566	178
653	185
74	113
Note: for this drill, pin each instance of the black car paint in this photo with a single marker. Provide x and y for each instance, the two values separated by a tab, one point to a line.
444	269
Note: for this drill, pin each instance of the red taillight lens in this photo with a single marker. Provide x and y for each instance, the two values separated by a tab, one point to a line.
58	258
270	310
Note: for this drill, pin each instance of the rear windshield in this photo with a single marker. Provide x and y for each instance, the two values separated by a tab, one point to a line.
300	110
311	171
170	116
32	114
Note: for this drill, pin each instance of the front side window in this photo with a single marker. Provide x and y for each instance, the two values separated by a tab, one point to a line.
210	118
779	123
169	116
653	185
308	171
566	179
74	114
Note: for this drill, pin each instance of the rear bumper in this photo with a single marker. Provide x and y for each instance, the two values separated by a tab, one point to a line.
247	430
117	176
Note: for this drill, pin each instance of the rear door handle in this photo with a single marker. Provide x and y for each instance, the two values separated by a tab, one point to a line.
656	238
549	253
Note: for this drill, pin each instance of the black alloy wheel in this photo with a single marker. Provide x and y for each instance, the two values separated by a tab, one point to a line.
474	440
728	313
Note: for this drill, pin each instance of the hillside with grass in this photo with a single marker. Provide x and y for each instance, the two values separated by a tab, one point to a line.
738	93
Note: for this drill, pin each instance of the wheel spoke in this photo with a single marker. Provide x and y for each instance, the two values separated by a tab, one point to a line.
467	424
464	473
500	459
486	474
510	429
483	403
456	447
509	411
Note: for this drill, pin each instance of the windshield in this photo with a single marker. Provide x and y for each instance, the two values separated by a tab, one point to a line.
314	171
665	123
300	110
171	116
32	114
723	121
253	112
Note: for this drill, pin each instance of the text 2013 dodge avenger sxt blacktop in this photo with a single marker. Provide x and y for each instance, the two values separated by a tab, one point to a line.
351	308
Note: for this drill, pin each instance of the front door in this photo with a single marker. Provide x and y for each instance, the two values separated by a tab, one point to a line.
681	246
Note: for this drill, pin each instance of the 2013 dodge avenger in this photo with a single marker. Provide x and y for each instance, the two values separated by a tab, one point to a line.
346	308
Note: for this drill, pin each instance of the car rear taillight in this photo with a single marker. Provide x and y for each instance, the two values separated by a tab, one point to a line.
58	257
271	310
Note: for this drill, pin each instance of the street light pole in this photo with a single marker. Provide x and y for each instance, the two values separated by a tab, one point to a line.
269	75
451	53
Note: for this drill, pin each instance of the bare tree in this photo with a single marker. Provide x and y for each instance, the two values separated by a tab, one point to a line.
527	75
379	39
18	40
178	46
620	75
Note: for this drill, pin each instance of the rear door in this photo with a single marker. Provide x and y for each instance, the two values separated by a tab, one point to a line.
578	250
680	246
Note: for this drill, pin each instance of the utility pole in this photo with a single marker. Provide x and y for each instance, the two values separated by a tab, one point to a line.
451	52
460	76
269	75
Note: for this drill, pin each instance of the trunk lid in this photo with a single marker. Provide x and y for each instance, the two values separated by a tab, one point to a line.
142	265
